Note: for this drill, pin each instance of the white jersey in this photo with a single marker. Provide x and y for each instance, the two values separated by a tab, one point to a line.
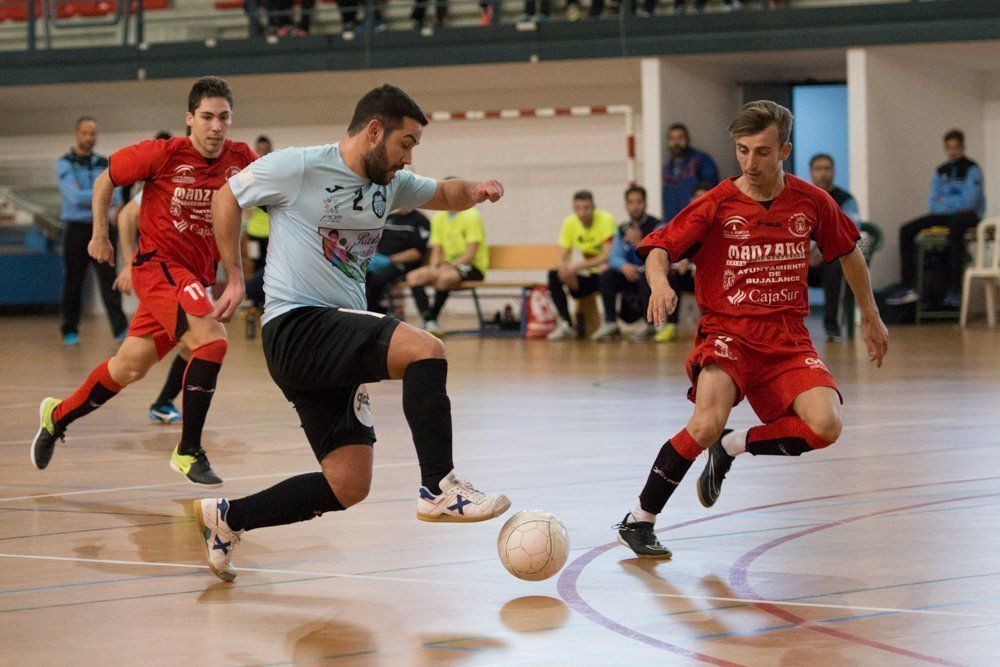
326	222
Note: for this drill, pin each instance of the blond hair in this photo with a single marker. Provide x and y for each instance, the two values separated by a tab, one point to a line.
755	117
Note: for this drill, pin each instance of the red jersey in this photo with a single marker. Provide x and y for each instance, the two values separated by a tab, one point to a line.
752	261
176	214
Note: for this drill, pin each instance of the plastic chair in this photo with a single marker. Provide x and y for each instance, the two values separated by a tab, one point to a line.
869	243
985	266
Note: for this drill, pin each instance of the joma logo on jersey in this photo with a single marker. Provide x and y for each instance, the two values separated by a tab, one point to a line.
183	174
787	250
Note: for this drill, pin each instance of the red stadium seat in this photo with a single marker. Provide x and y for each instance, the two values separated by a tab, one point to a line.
229	4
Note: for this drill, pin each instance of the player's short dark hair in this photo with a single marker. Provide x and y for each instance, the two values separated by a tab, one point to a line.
84	119
387	104
820	156
163	134
755	117
263	137
583	195
955	134
636	188
680	126
206	87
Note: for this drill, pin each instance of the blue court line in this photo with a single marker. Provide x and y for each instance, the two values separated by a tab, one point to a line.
54	587
46	509
311	660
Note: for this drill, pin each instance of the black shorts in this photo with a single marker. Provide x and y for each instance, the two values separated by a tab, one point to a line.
320	358
468	272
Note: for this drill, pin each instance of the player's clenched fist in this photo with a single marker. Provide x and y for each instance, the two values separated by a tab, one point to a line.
491	189
101	250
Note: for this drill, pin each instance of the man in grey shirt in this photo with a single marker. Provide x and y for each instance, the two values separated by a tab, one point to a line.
327	206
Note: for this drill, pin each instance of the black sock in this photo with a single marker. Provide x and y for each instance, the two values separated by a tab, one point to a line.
199	387
298	498
667	472
428	412
174	382
420	299
440	296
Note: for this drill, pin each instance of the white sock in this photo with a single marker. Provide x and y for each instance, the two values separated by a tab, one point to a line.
639	514
735	443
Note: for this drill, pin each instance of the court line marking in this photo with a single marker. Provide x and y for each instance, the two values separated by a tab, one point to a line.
196	566
740	580
62	494
783	603
567	589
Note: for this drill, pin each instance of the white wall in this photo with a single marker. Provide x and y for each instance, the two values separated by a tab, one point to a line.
705	99
902	101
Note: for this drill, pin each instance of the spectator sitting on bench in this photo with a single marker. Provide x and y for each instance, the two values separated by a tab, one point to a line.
458	253
956	202
625	275
591	231
831	275
402	248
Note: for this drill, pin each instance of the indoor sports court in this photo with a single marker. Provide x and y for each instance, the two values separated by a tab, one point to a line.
879	549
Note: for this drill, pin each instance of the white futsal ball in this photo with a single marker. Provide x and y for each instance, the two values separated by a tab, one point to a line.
533	545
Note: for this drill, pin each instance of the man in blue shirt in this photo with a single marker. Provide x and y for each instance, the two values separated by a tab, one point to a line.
76	172
821	171
327	207
683	171
956	202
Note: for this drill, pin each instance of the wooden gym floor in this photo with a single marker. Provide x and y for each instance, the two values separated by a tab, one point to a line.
880	550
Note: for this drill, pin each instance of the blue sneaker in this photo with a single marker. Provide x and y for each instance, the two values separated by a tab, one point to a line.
71	339
165	413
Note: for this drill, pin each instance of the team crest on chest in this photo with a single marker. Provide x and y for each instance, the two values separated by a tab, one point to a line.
799	225
378	204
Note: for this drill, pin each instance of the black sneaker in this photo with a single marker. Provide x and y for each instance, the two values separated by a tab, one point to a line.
640	538
44	444
718	464
195	468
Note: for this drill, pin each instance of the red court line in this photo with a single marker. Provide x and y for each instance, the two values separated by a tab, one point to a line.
740	581
568	579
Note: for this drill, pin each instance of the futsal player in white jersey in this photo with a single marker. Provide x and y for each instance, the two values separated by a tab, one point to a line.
327	205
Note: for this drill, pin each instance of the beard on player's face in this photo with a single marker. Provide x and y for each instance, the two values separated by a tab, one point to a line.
377	164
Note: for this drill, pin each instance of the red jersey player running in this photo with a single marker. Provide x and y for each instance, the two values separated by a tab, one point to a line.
749	237
173	268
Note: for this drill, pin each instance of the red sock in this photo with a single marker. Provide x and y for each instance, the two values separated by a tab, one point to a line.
788	436
97	389
671	464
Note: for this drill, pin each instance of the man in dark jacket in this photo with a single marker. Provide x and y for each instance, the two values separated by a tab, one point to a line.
683	171
76	172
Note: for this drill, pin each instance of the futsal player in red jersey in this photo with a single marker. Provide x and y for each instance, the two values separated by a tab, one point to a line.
171	273
749	237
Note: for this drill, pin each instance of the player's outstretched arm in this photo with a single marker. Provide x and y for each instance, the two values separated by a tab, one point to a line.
128	226
874	331
100	247
662	299
226	219
459	195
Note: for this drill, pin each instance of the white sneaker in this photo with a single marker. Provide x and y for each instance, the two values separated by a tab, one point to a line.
563	331
220	539
433	328
459	502
606	331
642	333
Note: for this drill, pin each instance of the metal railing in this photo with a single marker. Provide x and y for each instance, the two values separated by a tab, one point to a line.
61	23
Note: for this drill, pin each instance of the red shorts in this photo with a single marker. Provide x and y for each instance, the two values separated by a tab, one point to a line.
771	361
166	291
